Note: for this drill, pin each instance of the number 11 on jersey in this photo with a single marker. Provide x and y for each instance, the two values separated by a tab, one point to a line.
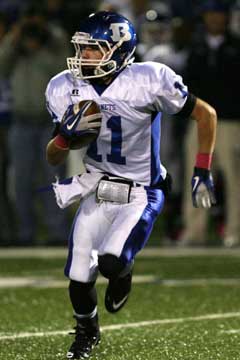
114	124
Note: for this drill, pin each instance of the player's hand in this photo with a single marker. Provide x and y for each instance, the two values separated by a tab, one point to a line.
69	122
202	188
78	120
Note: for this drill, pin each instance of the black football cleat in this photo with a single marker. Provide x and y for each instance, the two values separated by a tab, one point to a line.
86	338
117	292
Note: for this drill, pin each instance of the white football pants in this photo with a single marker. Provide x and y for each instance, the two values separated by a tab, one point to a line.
110	228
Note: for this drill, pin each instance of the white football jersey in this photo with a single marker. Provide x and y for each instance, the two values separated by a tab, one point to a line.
129	141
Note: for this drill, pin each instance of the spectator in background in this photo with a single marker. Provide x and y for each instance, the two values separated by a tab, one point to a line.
154	29
6	216
170	48
186	9
55	11
30	54
174	52
235	18
124	7
13	9
134	10
213	74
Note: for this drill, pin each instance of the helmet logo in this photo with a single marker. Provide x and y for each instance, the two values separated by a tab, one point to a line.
120	30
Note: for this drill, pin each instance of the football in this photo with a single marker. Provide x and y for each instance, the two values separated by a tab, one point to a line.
89	125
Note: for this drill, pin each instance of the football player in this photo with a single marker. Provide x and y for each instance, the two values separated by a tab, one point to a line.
114	222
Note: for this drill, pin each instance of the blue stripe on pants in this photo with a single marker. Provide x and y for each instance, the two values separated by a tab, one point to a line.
142	230
70	247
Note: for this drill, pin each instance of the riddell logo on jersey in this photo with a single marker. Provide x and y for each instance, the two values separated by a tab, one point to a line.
109	107
75	92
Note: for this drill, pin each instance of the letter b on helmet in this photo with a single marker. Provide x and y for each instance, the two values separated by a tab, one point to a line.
120	30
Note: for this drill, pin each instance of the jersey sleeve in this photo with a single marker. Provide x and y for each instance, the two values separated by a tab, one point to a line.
56	100
168	90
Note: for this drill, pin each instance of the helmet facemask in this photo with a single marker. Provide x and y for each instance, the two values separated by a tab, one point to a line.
96	68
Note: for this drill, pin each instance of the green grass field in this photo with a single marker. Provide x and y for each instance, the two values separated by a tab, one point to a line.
182	306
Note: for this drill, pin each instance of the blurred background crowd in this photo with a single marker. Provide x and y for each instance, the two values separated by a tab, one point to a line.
198	39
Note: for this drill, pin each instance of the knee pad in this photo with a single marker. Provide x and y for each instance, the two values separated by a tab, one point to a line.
110	266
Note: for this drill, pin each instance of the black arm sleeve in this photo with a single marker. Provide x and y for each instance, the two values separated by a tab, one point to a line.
188	107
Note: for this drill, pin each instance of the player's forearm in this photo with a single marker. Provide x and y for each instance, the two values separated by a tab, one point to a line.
206	118
56	154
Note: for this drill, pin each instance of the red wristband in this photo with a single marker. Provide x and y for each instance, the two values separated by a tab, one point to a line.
61	142
203	161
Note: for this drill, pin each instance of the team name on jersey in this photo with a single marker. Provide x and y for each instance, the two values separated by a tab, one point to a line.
108	107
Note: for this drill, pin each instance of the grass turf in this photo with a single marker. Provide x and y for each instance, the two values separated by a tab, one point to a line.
47	309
